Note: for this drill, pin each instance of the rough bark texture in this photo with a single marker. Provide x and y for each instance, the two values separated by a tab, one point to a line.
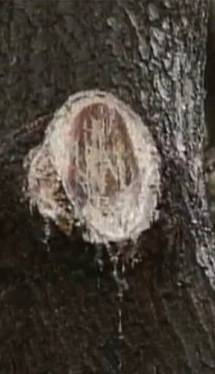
209	76
53	316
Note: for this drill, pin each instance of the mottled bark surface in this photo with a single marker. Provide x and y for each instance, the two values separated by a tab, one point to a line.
209	76
53	316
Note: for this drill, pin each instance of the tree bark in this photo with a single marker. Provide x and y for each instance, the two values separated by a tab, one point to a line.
59	313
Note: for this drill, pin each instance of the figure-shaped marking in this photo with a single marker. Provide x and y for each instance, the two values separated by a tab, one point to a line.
105	169
102	162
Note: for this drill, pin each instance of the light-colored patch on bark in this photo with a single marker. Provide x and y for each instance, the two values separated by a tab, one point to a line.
107	164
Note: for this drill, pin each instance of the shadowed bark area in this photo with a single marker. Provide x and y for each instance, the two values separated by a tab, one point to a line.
58	312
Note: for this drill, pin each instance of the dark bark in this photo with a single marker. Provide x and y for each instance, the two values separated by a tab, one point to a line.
54	318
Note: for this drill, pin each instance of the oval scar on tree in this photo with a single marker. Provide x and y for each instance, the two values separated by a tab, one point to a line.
99	160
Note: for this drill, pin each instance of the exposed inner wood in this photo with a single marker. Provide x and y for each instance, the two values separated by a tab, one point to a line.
103	162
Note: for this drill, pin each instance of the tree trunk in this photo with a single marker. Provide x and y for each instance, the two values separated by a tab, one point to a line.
59	312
